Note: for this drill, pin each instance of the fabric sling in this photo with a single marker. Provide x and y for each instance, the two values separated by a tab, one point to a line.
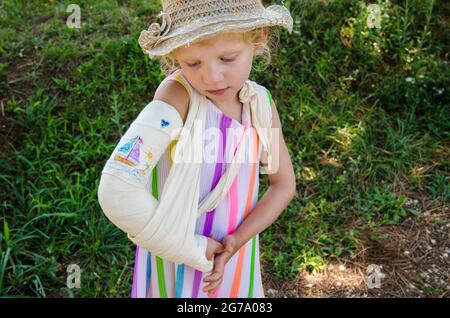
166	227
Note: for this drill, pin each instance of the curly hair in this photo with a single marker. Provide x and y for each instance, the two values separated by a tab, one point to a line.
261	39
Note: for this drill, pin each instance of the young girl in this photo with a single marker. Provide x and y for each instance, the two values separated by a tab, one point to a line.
208	48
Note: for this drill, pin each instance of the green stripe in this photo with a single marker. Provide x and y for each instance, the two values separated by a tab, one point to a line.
155	183
252	268
159	261
270	97
161	279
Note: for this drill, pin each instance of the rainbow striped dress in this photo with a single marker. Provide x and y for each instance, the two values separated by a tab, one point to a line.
156	277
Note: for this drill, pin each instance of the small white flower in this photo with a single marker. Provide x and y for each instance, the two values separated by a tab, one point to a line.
272	291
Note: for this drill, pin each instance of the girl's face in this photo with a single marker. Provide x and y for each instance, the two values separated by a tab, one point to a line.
222	61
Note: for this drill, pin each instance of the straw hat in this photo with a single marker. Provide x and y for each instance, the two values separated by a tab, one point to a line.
183	21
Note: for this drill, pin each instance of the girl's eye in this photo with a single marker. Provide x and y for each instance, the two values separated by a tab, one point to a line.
223	59
228	60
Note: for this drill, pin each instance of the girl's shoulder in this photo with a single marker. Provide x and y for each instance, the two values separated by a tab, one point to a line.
179	77
263	91
172	90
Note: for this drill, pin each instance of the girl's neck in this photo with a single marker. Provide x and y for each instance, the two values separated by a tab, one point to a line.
228	105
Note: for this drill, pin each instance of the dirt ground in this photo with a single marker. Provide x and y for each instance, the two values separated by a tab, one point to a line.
410	259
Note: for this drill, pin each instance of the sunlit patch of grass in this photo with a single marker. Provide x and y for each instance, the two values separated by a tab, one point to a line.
361	108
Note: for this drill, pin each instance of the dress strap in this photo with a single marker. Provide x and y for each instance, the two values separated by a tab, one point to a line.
180	78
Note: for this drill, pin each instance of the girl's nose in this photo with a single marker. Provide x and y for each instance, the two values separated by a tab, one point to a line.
213	75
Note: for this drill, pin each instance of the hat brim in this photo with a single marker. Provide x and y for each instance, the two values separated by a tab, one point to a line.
274	15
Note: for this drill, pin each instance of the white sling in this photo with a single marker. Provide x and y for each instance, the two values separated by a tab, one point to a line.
166	227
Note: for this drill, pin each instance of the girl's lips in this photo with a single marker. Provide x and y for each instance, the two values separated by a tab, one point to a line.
218	92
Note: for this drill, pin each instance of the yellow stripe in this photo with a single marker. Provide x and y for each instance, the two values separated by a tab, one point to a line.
180	80
172	151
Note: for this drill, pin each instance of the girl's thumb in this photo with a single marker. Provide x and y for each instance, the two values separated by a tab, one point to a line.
220	248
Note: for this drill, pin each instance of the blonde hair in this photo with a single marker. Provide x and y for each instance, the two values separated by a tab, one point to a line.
261	39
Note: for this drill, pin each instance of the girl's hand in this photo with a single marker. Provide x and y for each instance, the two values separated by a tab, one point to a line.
213	247
214	279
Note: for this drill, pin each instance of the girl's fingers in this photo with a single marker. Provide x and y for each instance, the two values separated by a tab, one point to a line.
213	289
212	286
212	277
212	280
217	271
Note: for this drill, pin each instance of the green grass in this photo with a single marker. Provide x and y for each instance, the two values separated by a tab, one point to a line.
365	114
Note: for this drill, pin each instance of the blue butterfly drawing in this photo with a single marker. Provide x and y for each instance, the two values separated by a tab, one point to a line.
164	123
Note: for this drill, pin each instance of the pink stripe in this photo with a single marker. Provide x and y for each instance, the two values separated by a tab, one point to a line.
234	196
232	221
214	295
234	209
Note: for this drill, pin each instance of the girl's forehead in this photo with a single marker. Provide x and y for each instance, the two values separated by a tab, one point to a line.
221	42
230	37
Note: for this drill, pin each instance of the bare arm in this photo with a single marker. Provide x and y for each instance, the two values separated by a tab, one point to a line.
277	197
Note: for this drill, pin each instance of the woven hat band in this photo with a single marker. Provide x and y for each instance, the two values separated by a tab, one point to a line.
185	11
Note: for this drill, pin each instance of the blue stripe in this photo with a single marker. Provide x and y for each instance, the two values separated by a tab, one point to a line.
149	273
180	279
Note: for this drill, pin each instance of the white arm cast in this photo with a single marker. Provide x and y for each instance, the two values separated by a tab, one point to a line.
122	192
